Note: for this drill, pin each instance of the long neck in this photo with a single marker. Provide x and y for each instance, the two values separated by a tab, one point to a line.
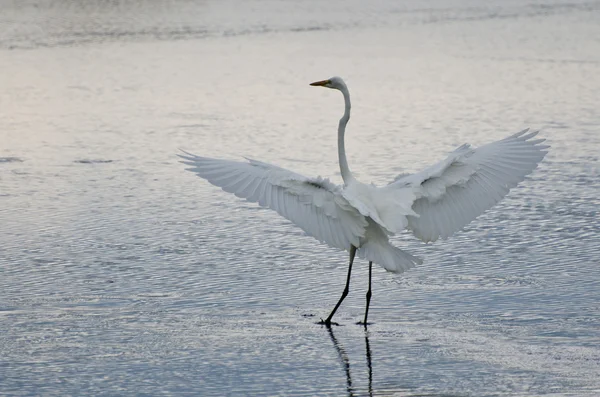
346	174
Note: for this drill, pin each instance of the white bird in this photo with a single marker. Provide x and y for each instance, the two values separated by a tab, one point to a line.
359	217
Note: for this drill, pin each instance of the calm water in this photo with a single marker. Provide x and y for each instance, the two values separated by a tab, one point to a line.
122	274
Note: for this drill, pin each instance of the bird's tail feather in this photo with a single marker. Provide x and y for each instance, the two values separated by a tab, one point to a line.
391	258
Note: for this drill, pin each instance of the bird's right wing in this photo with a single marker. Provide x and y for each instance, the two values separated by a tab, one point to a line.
313	204
453	192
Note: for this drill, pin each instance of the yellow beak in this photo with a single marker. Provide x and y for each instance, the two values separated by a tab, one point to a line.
320	83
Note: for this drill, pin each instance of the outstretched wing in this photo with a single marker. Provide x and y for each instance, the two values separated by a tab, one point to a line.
313	204
453	192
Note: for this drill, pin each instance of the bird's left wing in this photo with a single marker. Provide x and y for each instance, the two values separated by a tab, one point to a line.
313	204
453	192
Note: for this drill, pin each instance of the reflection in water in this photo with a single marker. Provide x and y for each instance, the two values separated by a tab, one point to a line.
352	391
346	362
368	355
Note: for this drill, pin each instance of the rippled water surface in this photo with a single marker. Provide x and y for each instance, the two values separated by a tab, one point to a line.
122	274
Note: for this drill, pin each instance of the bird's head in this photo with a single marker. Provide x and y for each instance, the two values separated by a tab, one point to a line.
336	83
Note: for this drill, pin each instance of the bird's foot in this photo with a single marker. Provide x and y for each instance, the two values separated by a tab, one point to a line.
363	323
328	323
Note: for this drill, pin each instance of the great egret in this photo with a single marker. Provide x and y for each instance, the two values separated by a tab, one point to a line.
359	217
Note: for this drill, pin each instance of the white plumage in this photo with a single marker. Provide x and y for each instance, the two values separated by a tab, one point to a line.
453	192
314	204
433	203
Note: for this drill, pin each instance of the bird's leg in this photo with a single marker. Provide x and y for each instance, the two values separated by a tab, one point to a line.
368	296
327	321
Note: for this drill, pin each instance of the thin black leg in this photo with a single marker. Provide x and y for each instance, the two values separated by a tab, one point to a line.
368	295
327	321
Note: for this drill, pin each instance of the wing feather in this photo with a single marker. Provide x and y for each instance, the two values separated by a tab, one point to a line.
452	193
314	204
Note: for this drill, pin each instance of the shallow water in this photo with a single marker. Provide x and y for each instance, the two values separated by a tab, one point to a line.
123	274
